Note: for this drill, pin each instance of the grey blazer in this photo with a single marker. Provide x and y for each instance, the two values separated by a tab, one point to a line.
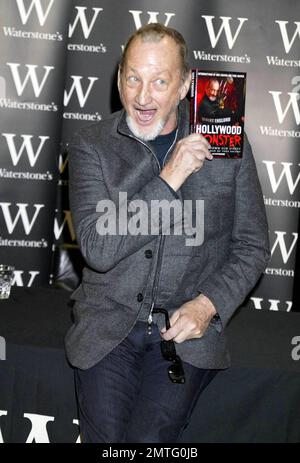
125	274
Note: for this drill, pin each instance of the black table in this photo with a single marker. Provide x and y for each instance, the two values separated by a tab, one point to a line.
257	400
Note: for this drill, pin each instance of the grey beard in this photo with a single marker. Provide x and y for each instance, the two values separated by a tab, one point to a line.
155	131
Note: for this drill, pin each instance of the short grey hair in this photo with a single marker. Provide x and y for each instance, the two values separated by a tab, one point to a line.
154	32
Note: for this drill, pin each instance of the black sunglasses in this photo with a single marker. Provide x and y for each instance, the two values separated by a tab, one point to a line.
168	350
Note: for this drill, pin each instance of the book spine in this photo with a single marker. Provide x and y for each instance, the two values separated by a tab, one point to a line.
193	104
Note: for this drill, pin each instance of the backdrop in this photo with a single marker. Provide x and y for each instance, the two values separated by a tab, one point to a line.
58	73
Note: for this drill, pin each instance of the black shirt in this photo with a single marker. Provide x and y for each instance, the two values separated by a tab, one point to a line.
161	145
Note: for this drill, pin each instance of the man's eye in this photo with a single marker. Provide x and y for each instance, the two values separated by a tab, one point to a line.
160	81
132	79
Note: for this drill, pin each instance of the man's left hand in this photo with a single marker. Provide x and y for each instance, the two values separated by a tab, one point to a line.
190	320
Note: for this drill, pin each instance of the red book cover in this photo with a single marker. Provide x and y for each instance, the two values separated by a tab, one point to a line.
217	110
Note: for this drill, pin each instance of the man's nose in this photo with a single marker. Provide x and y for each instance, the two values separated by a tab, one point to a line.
143	96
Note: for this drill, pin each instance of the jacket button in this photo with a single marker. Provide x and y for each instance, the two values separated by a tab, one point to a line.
148	253
140	297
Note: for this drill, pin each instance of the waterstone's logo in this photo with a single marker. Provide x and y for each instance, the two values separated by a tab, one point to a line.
36	13
23	221
289	35
30	81
215	35
25	148
76	89
283	250
86	19
287	111
284	180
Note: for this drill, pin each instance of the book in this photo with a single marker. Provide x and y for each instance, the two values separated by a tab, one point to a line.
217	110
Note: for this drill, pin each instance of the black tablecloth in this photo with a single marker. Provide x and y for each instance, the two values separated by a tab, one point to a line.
257	338
36	316
257	400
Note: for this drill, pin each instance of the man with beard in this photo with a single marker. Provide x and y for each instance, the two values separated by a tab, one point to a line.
150	313
210	104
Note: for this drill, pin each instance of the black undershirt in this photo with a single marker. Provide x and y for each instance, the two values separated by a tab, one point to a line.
161	144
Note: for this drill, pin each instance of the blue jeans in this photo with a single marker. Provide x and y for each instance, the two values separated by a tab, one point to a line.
128	396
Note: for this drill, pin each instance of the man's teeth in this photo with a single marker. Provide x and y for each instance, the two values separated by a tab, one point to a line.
146	115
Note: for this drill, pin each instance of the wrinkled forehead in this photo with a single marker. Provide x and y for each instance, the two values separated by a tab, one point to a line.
214	85
154	51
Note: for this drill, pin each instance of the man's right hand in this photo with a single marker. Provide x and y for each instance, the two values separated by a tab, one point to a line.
188	157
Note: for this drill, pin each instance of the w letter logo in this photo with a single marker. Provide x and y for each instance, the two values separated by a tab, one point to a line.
77	87
214	38
81	18
292	102
42	13
286	41
153	17
26	146
31	76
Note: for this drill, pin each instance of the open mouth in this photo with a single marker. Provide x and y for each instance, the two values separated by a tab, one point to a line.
145	116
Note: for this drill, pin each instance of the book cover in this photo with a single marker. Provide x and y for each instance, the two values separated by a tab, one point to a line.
217	110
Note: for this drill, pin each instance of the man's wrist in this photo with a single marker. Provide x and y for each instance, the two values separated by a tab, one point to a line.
171	178
170	188
204	300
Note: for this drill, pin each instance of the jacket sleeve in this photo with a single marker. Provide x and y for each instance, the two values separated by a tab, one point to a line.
87	187
249	253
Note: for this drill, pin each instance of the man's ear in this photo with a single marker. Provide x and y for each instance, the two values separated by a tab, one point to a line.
119	79
186	85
